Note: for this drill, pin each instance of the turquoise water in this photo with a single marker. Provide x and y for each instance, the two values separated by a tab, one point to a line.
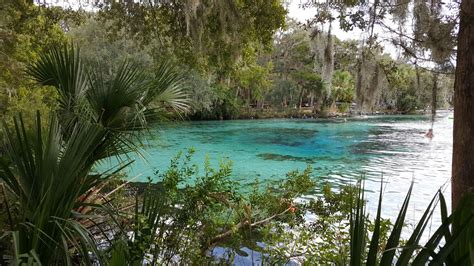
338	150
264	149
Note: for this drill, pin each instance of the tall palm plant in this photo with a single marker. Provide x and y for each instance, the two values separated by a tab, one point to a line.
48	169
123	105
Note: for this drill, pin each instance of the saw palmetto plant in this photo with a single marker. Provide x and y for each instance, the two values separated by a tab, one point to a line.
48	170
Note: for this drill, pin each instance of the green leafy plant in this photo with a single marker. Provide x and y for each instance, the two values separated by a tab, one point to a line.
186	215
48	169
457	231
47	175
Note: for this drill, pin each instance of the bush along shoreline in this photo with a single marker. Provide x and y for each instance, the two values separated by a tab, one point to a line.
303	113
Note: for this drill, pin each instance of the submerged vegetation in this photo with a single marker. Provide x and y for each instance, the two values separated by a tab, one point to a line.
80	89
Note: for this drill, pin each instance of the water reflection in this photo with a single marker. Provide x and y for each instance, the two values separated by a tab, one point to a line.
409	156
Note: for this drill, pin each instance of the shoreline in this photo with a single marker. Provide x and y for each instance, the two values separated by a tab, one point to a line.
307	113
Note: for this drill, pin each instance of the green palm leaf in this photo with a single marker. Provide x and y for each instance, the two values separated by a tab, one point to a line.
357	227
62	68
394	238
169	93
47	175
413	241
374	242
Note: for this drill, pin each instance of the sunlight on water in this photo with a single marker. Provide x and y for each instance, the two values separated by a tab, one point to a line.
339	152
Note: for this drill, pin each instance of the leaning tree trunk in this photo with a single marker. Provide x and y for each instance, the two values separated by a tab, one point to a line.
463	144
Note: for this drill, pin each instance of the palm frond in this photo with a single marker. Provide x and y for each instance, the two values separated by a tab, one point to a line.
357	227
62	68
456	231
394	238
413	242
114	103
168	89
47	175
375	241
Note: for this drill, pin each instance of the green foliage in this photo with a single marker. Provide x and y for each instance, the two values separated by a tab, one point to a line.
254	80
343	89
102	100
309	81
456	230
220	43
233	54
43	99
343	234
98	48
26	31
346	54
407	102
117	103
223	104
402	79
297	82
206	35
343	86
50	176
201	94
324	239
192	213
47	174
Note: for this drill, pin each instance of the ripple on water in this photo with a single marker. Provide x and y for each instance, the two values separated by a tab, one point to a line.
390	146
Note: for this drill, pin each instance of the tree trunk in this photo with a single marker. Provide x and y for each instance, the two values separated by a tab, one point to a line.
249	98
301	98
434	97
360	75
463	144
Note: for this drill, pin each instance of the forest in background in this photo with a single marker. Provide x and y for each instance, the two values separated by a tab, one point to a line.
236	57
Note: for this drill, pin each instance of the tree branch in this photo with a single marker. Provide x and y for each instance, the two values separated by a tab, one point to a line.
240	225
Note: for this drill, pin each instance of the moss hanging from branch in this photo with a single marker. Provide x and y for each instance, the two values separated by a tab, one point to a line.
322	46
432	31
212	36
400	10
373	84
190	12
418	82
371	79
328	63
